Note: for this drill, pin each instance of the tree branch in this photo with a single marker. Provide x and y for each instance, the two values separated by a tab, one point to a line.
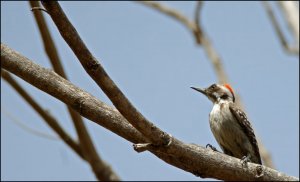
198	33
195	159
291	14
275	23
98	74
101	169
171	13
48	42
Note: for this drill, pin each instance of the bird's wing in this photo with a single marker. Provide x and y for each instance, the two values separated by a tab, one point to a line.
246	126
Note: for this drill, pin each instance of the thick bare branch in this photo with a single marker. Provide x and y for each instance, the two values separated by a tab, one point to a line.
53	84
195	159
86	143
98	74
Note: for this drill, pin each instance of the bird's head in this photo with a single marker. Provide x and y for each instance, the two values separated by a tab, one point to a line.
217	92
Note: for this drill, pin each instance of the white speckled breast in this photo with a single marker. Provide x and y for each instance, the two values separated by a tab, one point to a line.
227	131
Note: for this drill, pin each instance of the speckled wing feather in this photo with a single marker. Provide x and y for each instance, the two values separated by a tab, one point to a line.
247	128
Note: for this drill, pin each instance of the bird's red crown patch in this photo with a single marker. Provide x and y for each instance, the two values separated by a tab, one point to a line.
229	88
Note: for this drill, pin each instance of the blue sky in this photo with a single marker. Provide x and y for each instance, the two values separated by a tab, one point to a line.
154	60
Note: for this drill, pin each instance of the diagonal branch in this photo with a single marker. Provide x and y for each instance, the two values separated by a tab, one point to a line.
98	74
101	169
50	120
275	23
290	10
51	83
195	159
171	13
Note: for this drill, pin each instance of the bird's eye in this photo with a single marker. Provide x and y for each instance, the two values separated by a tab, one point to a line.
213	86
224	96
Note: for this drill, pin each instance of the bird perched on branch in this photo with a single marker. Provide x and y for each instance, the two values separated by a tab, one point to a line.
230	125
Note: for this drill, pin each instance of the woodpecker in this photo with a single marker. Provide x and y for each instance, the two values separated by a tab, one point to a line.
230	125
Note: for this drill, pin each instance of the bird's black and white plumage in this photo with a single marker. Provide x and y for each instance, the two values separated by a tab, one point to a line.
230	125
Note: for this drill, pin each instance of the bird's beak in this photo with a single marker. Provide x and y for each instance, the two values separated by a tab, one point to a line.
200	90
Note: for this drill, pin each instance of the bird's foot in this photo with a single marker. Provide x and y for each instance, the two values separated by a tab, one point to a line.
212	147
245	159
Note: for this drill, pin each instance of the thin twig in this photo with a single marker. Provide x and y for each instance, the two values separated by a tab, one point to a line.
275	23
50	120
199	6
279	32
291	15
170	12
27	128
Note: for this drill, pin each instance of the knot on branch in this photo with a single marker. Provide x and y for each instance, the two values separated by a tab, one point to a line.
92	65
198	35
78	105
167	139
38	8
141	147
259	171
